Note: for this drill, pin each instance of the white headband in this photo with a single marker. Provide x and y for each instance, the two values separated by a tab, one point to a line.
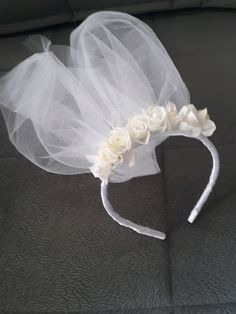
195	211
102	105
156	120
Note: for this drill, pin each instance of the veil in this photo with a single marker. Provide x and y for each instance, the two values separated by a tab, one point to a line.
63	100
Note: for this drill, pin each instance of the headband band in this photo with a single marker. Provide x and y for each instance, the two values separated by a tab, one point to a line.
195	211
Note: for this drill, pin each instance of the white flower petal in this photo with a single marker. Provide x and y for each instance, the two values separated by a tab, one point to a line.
138	129
208	128
202	114
192	119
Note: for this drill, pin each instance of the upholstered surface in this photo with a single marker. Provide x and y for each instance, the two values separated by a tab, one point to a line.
60	251
17	16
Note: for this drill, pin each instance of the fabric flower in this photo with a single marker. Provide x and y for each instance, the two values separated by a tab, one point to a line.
119	140
105	154
208	126
101	170
138	129
156	118
195	121
172	116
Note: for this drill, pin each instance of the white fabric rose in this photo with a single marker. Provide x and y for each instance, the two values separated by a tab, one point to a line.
195	121
172	117
156	118
101	170
105	154
208	126
109	153
138	129
119	140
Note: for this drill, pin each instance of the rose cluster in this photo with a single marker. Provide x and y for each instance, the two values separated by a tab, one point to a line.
120	144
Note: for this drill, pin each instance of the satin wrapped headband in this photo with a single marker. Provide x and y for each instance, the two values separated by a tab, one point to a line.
195	211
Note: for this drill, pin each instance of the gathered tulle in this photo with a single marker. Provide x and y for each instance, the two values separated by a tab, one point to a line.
63	100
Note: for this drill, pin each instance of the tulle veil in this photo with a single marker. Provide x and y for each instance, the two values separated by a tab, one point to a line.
63	100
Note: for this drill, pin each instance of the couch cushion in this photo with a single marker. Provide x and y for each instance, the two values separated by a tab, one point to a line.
60	251
17	16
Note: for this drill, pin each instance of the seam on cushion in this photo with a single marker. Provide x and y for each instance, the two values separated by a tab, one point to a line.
129	310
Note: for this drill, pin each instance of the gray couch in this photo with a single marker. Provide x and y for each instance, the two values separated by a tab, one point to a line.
60	251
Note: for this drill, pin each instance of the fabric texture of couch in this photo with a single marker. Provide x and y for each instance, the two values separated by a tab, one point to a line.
61	252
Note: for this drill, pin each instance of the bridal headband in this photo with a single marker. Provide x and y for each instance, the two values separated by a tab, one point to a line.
102	105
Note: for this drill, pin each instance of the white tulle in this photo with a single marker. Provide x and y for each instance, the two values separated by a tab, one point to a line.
60	102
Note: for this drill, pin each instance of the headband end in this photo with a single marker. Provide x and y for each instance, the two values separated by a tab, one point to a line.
192	216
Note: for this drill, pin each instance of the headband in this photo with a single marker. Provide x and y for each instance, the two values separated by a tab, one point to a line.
102	105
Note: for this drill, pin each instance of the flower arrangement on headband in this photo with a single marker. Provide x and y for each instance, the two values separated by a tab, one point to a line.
119	145
102	105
